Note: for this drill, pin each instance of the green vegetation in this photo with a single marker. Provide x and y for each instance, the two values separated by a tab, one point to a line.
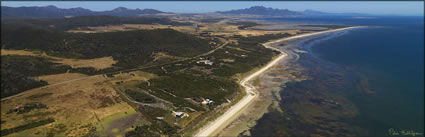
187	86
192	80
26	126
130	48
152	112
156	128
83	22
140	96
17	72
244	24
142	131
248	54
106	122
177	101
184	84
31	66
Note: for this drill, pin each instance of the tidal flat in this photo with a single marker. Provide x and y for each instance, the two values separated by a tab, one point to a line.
276	80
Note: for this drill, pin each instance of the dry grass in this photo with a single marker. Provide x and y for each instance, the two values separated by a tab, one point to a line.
129	27
19	52
228	60
236	48
164	56
57	78
97	63
132	77
78	105
186	120
218	28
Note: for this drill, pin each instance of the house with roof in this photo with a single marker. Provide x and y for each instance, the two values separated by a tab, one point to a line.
180	114
207	101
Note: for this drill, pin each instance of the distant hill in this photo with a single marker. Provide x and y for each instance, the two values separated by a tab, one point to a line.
52	11
264	11
261	10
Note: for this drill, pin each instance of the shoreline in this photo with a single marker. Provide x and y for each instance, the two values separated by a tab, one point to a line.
225	119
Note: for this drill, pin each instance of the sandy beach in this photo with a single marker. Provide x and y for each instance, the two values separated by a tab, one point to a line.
231	114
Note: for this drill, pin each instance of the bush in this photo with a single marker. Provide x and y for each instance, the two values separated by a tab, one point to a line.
26	126
140	96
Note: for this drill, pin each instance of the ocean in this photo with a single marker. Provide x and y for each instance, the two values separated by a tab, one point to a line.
363	82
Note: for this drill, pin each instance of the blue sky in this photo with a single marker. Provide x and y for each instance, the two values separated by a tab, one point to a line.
379	8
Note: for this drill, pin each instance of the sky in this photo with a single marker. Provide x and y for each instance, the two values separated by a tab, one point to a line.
415	8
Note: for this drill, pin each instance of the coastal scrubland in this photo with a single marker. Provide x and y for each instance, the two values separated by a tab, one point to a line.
151	70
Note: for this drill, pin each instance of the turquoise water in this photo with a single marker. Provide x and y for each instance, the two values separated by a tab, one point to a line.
389	57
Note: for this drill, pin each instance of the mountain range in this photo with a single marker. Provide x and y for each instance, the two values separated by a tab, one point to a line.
53	11
264	11
261	10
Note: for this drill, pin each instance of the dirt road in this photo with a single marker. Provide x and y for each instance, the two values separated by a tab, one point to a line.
134	69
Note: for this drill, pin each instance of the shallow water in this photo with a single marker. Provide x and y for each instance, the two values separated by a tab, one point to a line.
362	82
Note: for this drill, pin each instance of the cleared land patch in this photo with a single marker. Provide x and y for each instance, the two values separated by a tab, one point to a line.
5	52
97	63
57	78
77	106
130	77
131	27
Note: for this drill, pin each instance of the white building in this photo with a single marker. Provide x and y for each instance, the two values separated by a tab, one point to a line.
207	101
206	62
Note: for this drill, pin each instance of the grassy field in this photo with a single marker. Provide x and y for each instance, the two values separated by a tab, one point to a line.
76	108
57	78
97	63
118	124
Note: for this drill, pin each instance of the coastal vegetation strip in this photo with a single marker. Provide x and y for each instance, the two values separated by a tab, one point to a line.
224	119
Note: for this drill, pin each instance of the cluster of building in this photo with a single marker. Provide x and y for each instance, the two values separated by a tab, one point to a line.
201	100
204	61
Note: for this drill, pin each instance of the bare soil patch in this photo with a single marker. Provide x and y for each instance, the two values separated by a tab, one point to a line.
77	106
57	78
97	63
19	52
